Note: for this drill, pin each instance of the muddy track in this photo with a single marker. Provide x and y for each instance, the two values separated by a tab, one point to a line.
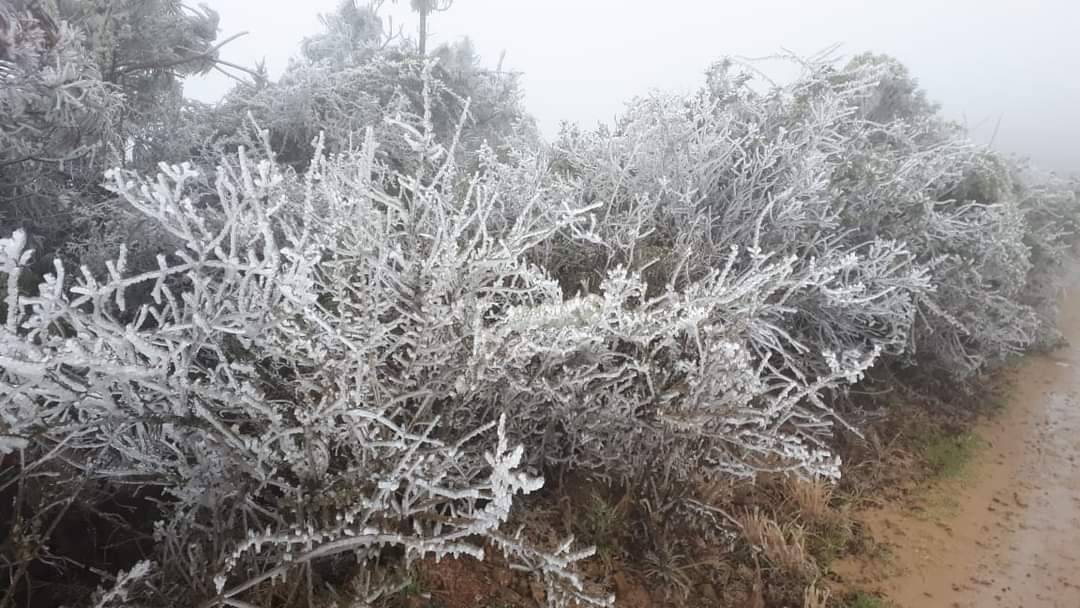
1007	532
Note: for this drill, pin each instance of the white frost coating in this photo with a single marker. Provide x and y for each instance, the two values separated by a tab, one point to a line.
286	366
360	359
9	444
12	256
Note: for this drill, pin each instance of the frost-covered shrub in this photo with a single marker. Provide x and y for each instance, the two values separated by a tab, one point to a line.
1052	216
713	261
285	384
624	384
355	73
837	237
732	167
336	368
961	212
932	238
86	85
57	123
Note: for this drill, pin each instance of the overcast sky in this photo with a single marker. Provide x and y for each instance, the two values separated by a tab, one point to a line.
1017	60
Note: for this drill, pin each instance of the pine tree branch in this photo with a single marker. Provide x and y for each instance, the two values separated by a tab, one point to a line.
160	65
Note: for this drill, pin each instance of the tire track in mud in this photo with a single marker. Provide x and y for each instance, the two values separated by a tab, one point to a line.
1007	534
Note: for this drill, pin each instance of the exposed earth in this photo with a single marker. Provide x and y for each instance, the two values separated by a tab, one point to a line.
1006	531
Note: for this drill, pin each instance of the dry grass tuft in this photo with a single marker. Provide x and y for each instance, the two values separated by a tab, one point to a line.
830	529
815	598
783	546
812	498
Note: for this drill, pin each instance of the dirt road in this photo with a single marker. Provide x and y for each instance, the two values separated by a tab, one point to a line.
1007	532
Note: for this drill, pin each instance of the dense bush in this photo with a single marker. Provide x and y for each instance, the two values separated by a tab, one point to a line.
353	75
367	343
86	85
57	125
284	387
936	234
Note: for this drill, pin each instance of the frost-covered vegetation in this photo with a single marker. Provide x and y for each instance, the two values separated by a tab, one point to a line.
356	313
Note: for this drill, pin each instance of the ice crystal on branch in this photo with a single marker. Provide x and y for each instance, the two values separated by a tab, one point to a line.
287	370
370	361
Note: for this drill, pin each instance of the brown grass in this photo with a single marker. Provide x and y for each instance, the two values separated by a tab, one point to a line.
814	597
812	498
783	546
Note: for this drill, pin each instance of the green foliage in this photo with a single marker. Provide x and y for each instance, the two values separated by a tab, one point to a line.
601	525
830	539
948	456
413	587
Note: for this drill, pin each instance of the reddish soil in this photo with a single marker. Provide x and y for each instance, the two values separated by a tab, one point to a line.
1006	532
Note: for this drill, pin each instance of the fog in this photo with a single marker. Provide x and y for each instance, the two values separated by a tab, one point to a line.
1010	70
383	353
